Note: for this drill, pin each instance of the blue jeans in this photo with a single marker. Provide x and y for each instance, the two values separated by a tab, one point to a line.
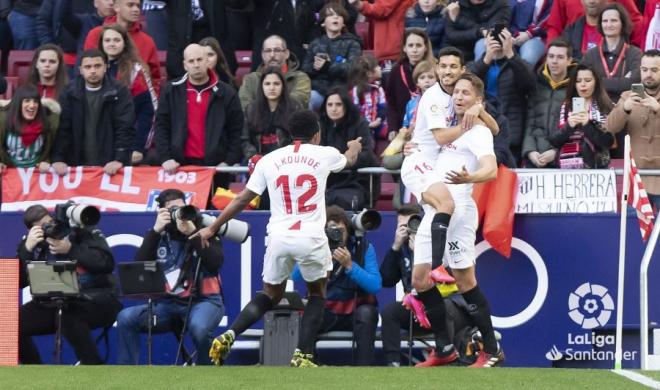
205	315
157	26
532	51
23	30
479	49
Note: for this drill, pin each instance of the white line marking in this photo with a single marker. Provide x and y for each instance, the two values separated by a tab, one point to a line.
639	378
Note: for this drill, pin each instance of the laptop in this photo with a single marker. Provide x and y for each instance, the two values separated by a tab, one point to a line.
142	278
53	279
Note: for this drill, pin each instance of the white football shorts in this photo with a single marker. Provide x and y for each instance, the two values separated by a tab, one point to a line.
311	253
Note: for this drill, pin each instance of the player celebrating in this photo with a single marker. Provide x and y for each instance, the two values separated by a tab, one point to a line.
434	114
469	159
295	177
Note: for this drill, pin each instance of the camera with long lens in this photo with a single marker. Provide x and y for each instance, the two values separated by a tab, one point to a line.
233	230
184	213
335	237
365	220
68	215
413	224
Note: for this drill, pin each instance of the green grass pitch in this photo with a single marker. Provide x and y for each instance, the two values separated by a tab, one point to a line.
330	378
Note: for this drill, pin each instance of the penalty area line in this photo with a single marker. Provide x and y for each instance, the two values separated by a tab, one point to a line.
639	378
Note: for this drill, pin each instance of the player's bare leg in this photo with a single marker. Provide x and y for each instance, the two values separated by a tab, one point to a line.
310	324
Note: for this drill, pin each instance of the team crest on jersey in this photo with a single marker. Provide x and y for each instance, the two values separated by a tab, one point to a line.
434	109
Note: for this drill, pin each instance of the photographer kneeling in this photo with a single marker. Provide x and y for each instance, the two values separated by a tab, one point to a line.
50	239
168	241
351	301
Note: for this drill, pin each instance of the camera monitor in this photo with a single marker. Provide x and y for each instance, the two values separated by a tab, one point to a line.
53	279
142	278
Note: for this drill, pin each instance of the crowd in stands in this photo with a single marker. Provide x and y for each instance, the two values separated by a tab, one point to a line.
161	84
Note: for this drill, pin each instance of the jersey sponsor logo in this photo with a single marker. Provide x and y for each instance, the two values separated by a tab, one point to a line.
453	246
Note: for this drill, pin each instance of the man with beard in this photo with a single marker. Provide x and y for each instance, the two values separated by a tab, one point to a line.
640	116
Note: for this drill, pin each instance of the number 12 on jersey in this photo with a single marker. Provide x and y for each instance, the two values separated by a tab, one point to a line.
302	181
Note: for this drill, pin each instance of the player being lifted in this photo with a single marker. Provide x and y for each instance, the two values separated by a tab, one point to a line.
295	177
435	114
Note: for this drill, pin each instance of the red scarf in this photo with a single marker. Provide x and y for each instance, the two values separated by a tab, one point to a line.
31	132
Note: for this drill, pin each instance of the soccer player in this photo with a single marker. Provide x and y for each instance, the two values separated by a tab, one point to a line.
295	177
435	112
469	159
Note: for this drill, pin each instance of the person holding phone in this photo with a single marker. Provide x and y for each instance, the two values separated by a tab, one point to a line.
640	116
580	138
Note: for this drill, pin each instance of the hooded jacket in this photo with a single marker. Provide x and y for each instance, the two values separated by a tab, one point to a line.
433	22
341	52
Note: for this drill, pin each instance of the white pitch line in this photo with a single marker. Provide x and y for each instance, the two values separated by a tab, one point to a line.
639	378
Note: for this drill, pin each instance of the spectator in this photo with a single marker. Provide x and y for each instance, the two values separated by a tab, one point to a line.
367	94
566	12
620	68
199	119
580	138
125	65
155	21
527	18
429	15
400	85
468	21
189	21
50	27
22	20
168	241
275	53
351	303
329	57
47	71
295	21
128	16
387	17
94	265
267	116
217	60
341	122
27	128
96	124
639	116
80	24
509	80
544	105
583	34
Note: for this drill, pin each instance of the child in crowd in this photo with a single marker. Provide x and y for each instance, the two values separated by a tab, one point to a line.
367	94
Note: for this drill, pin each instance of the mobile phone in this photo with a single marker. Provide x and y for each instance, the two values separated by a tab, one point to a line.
496	30
638	89
578	104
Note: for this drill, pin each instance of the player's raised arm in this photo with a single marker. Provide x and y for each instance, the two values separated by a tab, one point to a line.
354	149
236	205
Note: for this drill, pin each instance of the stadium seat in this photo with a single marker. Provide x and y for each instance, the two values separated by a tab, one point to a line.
244	61
12	84
18	64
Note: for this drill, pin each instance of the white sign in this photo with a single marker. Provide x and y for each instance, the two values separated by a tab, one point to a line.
566	191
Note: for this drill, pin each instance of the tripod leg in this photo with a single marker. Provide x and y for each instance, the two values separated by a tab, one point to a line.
58	336
193	291
410	338
150	324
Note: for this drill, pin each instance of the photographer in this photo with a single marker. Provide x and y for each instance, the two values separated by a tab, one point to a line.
351	301
397	266
168	241
97	307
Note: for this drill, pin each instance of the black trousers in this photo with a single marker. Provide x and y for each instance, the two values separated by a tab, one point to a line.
366	320
396	317
79	317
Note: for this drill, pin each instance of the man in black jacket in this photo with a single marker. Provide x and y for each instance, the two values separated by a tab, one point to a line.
96	123
97	308
509	80
199	119
168	242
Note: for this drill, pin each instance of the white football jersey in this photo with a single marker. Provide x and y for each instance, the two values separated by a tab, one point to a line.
464	151
296	177
435	111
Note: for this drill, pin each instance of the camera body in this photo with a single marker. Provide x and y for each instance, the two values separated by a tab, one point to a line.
335	237
69	215
413	224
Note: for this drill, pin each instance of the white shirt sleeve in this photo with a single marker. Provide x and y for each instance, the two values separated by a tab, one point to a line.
481	141
257	182
336	160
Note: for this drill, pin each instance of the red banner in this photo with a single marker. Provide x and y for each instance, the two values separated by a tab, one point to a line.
131	189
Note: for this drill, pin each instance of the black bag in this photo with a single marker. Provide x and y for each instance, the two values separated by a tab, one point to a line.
280	337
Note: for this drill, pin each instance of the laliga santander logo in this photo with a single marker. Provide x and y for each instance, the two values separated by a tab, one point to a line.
590	306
